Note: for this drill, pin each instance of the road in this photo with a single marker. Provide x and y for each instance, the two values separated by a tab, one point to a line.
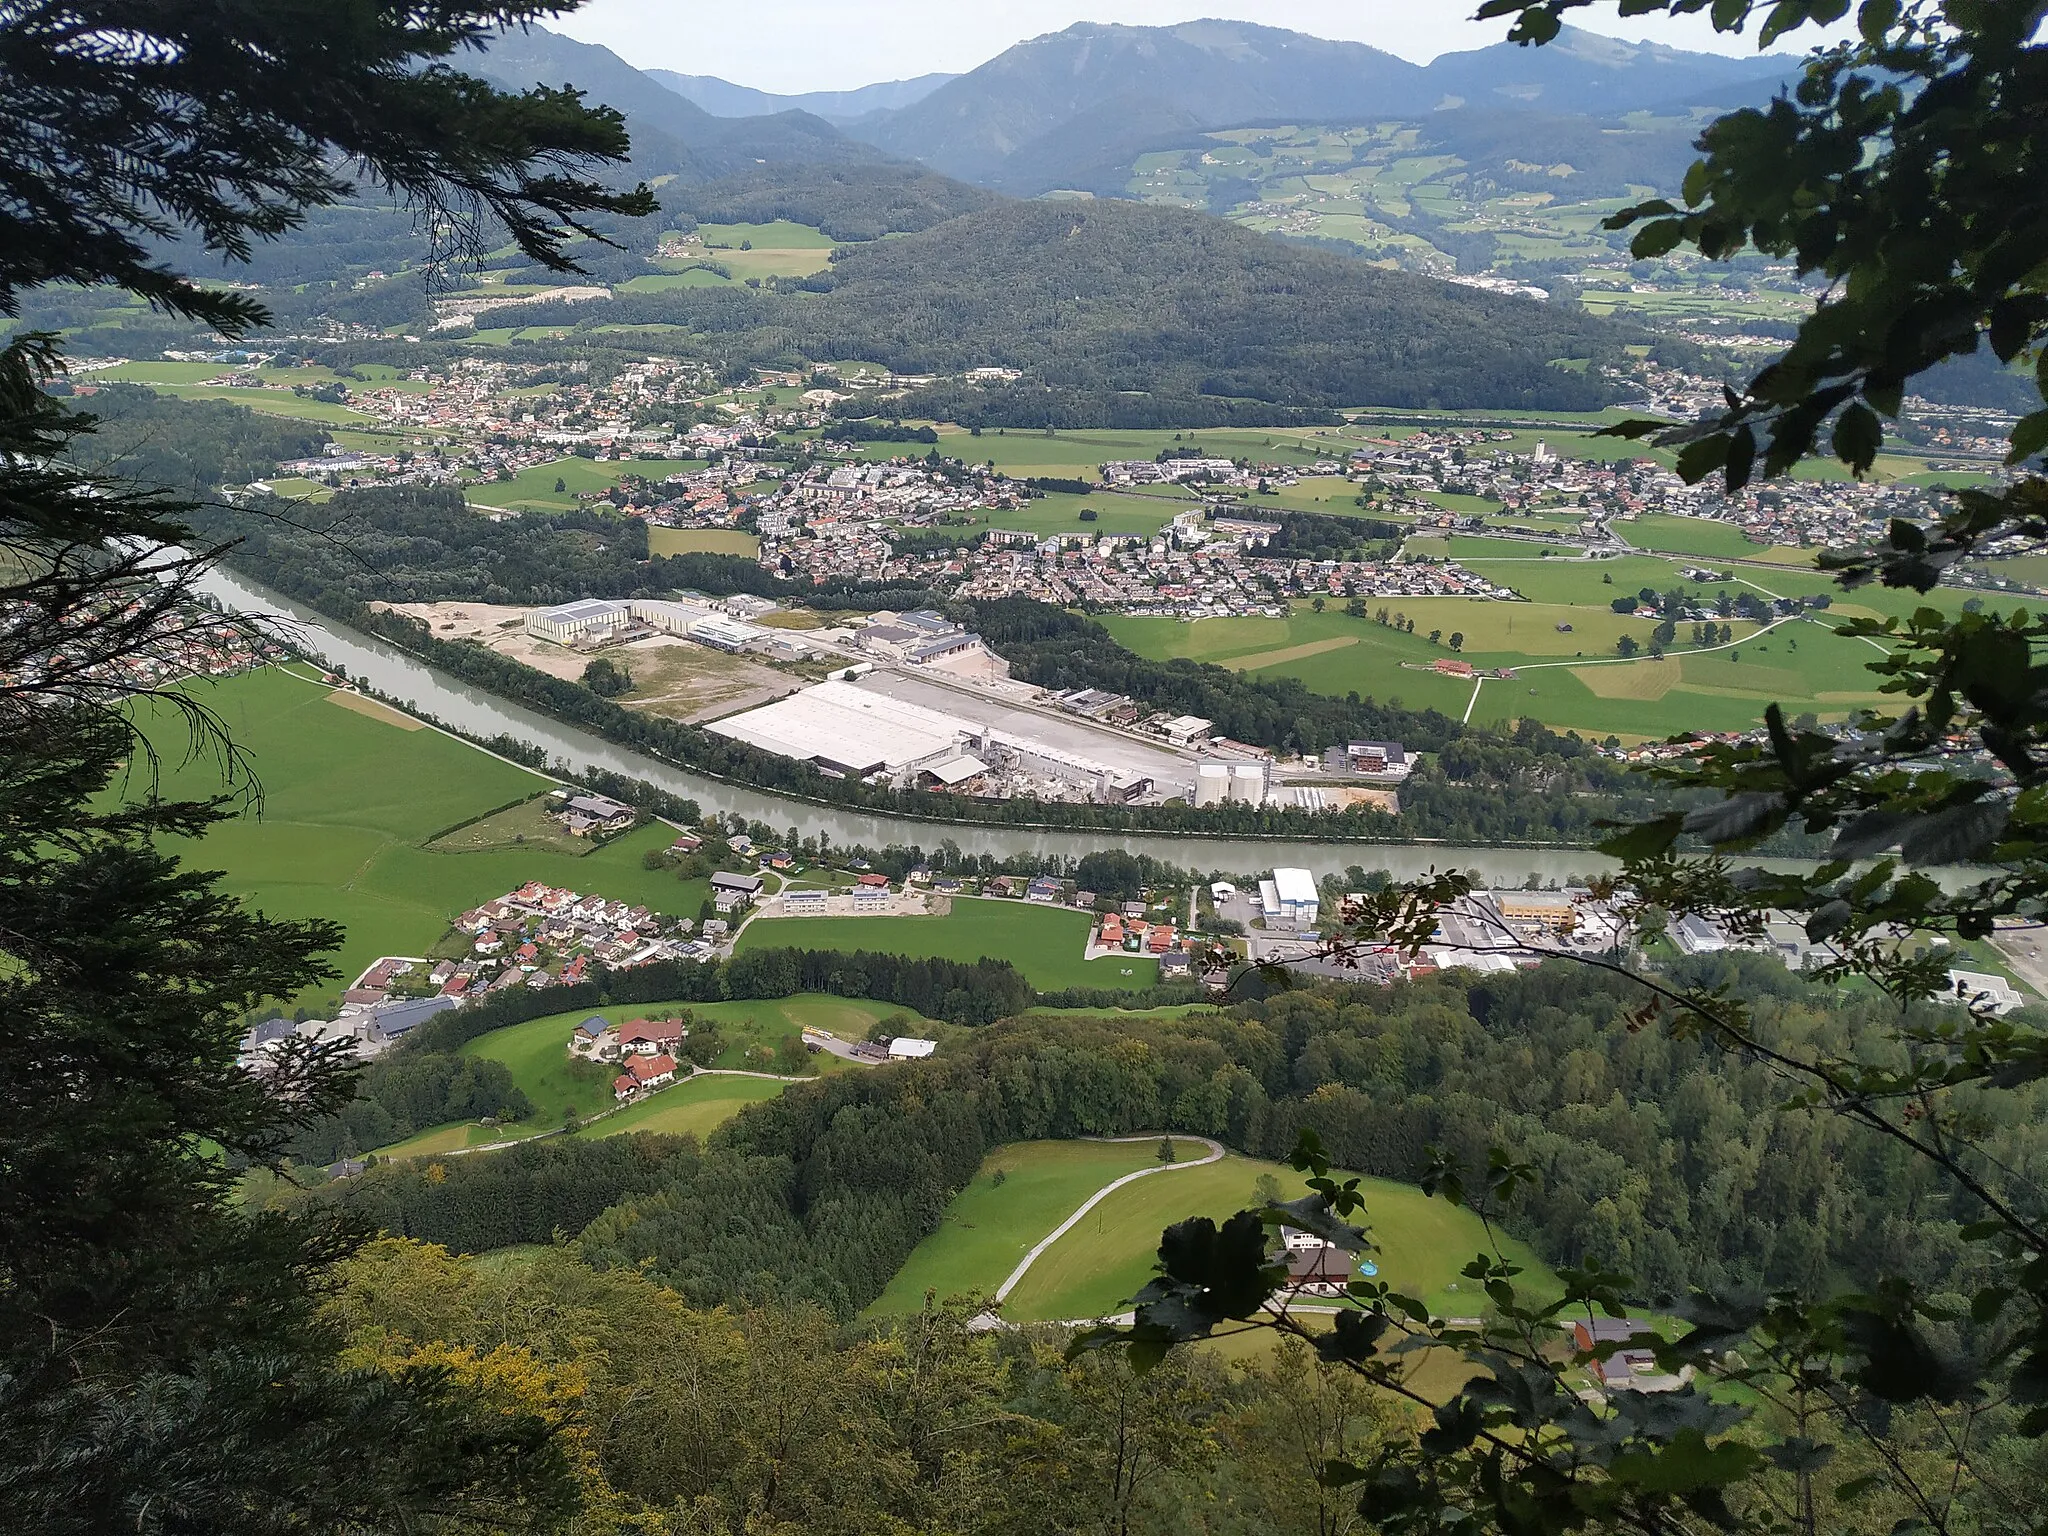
1215	1153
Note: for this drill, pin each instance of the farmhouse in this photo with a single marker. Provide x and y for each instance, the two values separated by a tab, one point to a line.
651	1037
643	1073
904	1048
1628	1368
584	814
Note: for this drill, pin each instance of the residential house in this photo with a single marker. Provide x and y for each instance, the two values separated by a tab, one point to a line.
594	1040
1044	888
733	893
651	1037
1628	1368
643	1073
804	903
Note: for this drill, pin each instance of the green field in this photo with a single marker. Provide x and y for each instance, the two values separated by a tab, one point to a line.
1077	455
710	541
537	1055
271	402
1688	536
349	802
1570	679
1045	943
1096	1268
990	1226
533	490
693	1108
782	235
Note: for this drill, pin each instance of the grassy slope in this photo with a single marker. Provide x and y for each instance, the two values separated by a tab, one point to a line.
347	802
537	1053
989	1227
1045	943
1095	1268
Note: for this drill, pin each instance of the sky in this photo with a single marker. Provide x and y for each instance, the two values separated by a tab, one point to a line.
791	46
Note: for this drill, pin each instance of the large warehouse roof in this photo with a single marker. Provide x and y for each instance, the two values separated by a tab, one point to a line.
846	725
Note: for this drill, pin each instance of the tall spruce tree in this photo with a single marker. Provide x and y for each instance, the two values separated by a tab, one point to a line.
161	1368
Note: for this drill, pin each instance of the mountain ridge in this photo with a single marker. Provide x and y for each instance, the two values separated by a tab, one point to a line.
724	98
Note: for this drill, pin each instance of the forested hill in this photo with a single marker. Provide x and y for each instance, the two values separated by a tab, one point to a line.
1111	296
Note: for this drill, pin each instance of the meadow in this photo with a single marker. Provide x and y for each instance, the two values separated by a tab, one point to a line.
533	490
1045	943
536	1053
706	541
1094	1270
1020	1193
348	802
1562	643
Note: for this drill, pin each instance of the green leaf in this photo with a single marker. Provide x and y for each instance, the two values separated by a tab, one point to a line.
1458	1423
1737	817
1644	841
2029	437
1660	237
1687	1465
1698	460
1875	20
1858	436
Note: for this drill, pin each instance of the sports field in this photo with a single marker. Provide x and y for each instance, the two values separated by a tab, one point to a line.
1096	1268
1045	943
708	541
349	802
1020	1194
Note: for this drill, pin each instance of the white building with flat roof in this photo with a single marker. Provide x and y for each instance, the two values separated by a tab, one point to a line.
1289	899
590	618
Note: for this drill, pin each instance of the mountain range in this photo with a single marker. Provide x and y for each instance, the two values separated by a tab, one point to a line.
721	98
1049	112
1069	109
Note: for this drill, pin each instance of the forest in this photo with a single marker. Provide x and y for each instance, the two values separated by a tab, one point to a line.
773	1420
1177	305
1666	1160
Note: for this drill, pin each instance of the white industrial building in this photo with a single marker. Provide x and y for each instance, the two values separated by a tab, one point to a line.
699	622
1231	783
592	617
863	732
848	730
1288	899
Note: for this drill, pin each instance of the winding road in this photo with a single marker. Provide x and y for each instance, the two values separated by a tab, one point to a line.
1215	1154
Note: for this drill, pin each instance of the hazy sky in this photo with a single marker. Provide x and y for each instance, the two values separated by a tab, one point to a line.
820	45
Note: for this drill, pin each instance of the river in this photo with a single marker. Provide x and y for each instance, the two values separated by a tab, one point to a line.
400	676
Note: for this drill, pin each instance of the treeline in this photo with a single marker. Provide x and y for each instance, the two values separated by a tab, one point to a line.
192	446
1664	1158
406	1091
1319	536
421	544
1057	649
1034	407
847	202
851	430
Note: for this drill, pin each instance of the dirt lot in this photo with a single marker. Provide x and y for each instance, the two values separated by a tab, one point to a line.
500	628
671	677
682	681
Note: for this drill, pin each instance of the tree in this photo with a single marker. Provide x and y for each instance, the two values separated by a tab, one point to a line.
161	1368
1166	1151
1626	646
607	679
1318	604
561	485
1457	640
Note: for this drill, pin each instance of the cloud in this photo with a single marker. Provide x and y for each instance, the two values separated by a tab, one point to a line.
820	45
